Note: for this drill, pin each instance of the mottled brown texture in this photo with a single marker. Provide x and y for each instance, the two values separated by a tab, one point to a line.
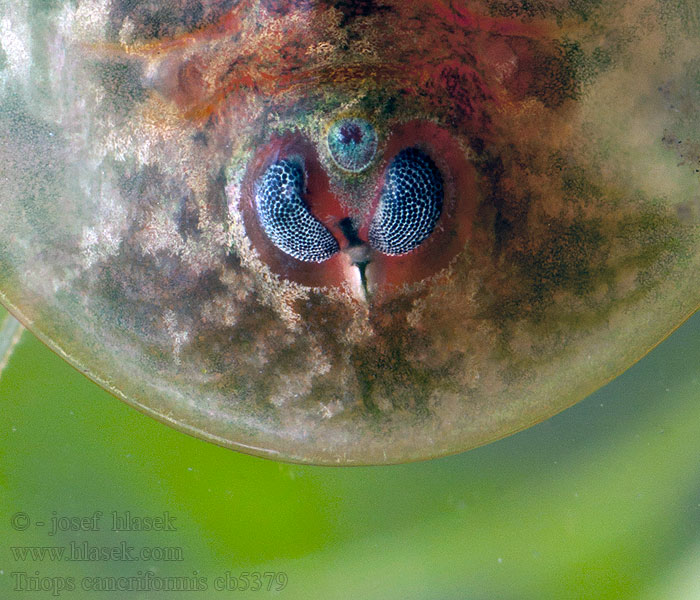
568	244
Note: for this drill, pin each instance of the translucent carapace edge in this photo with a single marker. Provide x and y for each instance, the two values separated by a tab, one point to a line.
350	233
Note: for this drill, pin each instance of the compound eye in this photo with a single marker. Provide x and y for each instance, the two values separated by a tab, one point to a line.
410	203
286	219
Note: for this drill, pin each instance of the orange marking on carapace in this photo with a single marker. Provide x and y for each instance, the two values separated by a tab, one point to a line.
201	70
229	24
473	22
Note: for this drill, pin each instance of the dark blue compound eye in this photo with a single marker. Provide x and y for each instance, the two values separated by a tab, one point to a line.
286	219
410	204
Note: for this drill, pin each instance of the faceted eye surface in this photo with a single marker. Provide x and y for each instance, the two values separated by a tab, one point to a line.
410	204
286	219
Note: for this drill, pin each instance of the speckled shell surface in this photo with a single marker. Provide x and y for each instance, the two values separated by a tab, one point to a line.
132	135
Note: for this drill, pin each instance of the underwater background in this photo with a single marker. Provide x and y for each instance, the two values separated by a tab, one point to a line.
601	501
